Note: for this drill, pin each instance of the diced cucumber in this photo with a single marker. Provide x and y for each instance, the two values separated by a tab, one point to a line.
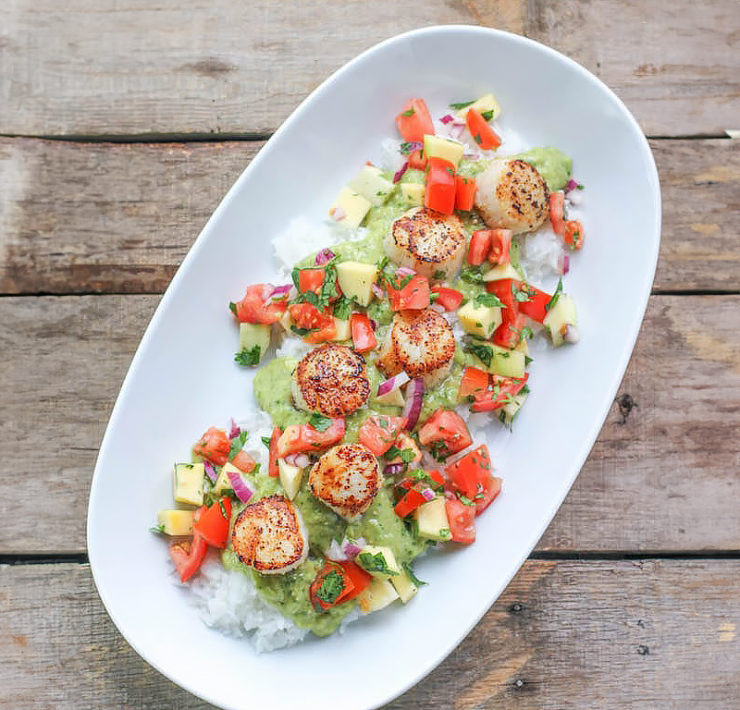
176	522
560	316
372	185
404	586
254	338
356	280
379	561
188	483
432	520
376	596
445	148
480	321
290	478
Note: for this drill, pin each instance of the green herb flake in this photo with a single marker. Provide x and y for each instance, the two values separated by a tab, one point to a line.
343	308
439	274
406	455
157	529
248	356
319	422
488	115
409	569
488	300
483	352
375	563
408	113
266	441
462	105
555	296
464	499
331	587
232	307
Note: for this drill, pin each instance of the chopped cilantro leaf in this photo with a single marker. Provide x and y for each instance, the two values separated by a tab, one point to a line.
406	455
409	569
232	307
462	104
464	499
302	331
375	563
488	115
237	444
343	308
483	352
249	356
410	112
439	274
472	274
555	296
319	422
266	441
157	529
488	300
331	587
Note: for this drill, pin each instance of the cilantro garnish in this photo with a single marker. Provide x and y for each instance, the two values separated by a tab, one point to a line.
375	563
410	112
266	441
488	300
483	352
555	296
439	274
343	308
472	274
237	444
157	529
464	499
331	587
406	455
462	104
409	569
249	356
232	307
488	115
302	331
319	422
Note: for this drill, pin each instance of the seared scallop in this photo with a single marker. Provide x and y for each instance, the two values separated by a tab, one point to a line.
421	343
512	195
429	242
332	380
347	479
270	536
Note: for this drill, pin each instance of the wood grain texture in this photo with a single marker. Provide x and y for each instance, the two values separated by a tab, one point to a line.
659	481
103	217
658	634
102	68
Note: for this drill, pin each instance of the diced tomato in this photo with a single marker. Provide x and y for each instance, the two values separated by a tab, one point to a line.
504	290
440	189
414	294
491	489
213	523
573	236
414	121
465	188
437	477
304	438
188	556
557	210
314	591
500	246
310	280
469	473
257	307
379	433
359	578
417	160
474	384
461	518
479	247
449	298
244	462
503	390
534	308
446	431
363	335
509	333
482	133
272	467
320	325
214	446
410	501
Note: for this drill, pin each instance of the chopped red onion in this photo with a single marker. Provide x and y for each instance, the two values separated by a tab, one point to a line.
335	553
571	335
564	263
234	430
300	460
405	271
324	257
400	172
352	548
210	471
428	494
447	119
393	468
572	185
280	292
412	407
377	291
456	131
244	491
267	290
393	383
338	214
411	146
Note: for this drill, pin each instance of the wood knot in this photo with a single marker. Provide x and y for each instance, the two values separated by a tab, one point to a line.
626	404
643	650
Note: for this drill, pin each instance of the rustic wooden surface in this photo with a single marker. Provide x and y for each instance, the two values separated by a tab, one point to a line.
631	596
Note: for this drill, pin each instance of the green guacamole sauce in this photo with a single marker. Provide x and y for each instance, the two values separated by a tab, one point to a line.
551	163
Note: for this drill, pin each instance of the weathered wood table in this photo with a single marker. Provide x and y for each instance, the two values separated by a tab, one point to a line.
123	123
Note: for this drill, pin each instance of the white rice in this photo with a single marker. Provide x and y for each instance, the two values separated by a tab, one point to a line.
227	599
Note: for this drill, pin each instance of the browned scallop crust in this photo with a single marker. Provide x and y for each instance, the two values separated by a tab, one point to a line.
512	195
270	536
420	343
428	242
347	479
332	380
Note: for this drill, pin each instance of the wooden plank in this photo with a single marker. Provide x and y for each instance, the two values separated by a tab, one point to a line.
654	633
119	218
241	68
659	481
